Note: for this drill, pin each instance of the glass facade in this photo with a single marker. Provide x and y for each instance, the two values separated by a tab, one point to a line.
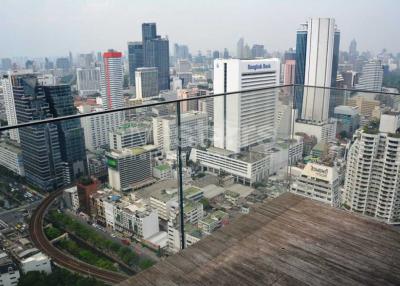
135	59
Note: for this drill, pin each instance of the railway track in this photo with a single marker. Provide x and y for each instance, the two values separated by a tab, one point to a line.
64	260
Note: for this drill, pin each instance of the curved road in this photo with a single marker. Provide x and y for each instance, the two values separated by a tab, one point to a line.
39	238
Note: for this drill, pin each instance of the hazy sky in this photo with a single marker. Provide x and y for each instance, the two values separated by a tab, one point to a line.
54	27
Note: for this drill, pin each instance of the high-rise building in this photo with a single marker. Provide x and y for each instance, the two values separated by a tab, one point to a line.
97	128
257	51
245	118
6	64
135	59
63	63
372	182
194	130
39	143
371	76
353	53
146	82
149	32
289	72
181	52
348	119
317	58
112	80
240	48
9	105
128	167
131	135
156	53
216	55
11	157
88	81
226	53
70	132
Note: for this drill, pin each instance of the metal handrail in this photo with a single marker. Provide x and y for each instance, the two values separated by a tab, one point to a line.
81	115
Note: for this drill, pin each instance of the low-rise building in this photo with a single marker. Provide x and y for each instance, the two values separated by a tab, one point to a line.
71	198
192	235
162	172
246	167
319	182
213	221
9	274
232	197
37	262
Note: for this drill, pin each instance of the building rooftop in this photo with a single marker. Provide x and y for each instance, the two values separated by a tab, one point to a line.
163	167
290	240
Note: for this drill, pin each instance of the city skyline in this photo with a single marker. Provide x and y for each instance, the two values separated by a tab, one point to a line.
83	29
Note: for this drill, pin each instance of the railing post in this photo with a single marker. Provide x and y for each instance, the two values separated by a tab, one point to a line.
180	179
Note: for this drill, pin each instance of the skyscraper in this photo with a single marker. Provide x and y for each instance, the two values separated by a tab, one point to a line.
149	32
39	143
135	59
146	82
70	132
289	72
156	53
371	76
317	58
112	80
372	184
353	53
9	105
246	118
88	81
257	51
240	48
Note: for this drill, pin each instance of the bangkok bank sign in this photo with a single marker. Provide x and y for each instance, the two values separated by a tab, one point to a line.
258	67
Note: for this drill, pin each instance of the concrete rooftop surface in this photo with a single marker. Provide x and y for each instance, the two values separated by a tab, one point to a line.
290	240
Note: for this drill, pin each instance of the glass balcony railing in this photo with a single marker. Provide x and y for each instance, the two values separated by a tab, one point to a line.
133	185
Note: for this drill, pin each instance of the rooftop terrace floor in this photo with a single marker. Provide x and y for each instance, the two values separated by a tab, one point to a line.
290	240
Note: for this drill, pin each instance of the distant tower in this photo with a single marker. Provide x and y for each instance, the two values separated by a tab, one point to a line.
240	49
111	81
156	53
135	59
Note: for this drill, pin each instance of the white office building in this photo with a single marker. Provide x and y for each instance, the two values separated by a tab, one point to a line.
319	182
146	80
372	184
194	130
11	157
371	76
246	167
318	68
325	132
97	129
88	81
131	134
245	118
111	82
9	105
128	167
